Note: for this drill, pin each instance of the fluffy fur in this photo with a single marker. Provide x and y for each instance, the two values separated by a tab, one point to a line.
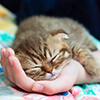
43	47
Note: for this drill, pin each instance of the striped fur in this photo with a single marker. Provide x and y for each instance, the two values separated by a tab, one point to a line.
43	47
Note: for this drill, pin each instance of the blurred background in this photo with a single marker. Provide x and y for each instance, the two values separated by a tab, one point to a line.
87	12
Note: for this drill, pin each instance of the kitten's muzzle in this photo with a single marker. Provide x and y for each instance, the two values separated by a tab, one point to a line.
48	67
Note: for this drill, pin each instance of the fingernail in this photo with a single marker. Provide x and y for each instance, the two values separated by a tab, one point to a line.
38	88
10	61
6	54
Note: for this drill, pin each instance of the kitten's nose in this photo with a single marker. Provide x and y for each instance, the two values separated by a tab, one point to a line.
50	71
48	67
49	64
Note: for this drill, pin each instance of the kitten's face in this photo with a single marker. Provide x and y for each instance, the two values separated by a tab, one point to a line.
42	57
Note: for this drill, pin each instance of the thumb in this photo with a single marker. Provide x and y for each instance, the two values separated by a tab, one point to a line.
63	83
52	87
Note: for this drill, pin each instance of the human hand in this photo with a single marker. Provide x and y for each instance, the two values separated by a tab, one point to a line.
74	73
13	72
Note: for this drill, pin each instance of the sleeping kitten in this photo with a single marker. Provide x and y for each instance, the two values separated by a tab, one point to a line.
44	45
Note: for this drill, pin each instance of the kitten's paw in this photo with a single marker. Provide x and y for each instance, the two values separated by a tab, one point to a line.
94	70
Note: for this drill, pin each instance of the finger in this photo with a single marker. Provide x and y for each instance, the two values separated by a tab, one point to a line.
20	77
63	83
9	52
3	61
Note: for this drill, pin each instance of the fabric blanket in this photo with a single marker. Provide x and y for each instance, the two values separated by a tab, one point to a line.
9	91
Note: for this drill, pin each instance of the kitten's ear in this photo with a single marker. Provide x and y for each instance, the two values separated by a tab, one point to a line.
60	34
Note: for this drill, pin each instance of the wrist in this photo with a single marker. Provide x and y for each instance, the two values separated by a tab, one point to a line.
82	76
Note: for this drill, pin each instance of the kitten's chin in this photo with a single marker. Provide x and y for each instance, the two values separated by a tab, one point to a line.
48	76
51	76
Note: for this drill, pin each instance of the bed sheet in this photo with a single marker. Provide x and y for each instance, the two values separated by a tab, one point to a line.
9	91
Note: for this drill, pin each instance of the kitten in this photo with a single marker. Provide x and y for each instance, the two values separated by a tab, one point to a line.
45	45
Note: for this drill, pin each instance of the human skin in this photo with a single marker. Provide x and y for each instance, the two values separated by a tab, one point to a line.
74	73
